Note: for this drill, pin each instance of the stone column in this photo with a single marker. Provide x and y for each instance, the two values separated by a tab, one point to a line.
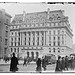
23	38
35	38
39	38
20	38
31	39
27	37
45	38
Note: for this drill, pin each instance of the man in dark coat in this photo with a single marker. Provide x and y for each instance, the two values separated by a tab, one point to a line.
38	68
66	62
24	61
58	65
63	63
72	63
14	63
44	63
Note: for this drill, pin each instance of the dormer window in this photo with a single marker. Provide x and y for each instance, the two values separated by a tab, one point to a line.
58	18
50	18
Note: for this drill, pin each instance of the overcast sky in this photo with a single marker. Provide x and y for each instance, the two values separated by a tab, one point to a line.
18	8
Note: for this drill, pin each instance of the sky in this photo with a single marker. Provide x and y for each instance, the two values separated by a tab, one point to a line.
18	8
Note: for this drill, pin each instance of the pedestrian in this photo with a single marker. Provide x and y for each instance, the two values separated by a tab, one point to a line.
14	63
66	63
27	60
58	65
24	61
44	63
63	63
72	63
38	68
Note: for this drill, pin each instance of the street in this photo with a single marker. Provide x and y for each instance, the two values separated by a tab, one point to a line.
29	68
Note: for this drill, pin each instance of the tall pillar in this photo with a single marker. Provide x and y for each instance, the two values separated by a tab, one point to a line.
39	38
35	38
20	38
23	38
31	39
27	38
44	37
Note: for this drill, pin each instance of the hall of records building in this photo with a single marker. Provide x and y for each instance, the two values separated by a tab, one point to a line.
40	33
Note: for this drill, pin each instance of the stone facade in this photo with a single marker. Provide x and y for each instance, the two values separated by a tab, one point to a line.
40	33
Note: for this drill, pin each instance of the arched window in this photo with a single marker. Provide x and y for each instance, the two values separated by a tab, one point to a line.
18	50
14	49
32	55
27	54
37	54
58	50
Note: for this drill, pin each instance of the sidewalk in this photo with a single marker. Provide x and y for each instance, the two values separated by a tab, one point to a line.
20	62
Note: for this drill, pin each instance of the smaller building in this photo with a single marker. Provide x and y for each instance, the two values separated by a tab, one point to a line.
4	33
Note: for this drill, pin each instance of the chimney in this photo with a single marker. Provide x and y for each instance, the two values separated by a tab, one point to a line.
48	11
24	15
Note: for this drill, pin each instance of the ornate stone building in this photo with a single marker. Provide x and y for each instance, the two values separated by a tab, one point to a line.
40	33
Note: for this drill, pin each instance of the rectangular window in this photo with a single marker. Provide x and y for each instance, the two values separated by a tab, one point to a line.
58	38
11	43
42	43
33	44
14	49
53	38
15	33
5	50
6	33
29	43
54	32
33	38
7	21
6	41
49	38
54	50
18	39
25	42
12	39
19	33
12	33
37	43
11	50
58	32
29	33
18	43
50	32
54	43
49	43
29	38
15	43
62	42
15	39
18	50
25	38
38	33
25	33
6	27
58	43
